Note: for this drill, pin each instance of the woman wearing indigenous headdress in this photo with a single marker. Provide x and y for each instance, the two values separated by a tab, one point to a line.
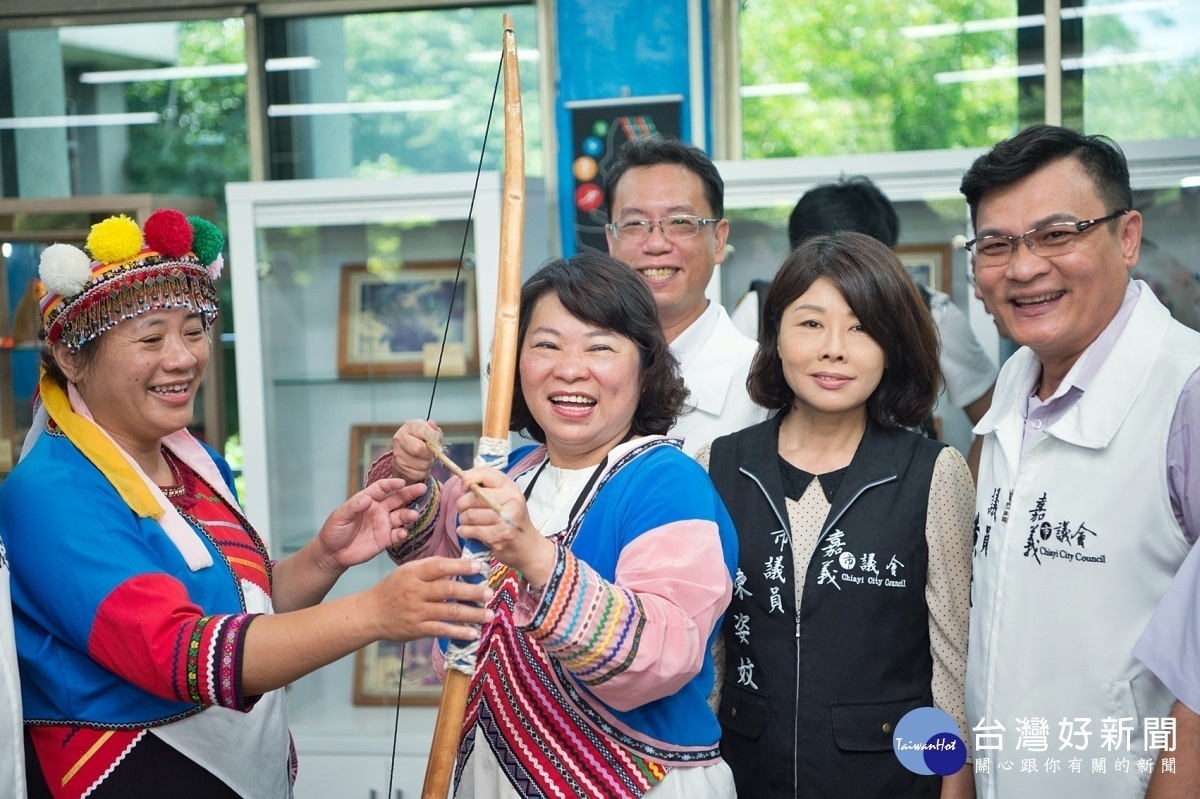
855	541
611	563
153	631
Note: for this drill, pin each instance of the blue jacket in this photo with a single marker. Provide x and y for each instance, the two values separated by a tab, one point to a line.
71	541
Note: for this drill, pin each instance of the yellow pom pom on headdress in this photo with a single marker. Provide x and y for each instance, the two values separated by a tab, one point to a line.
128	274
115	240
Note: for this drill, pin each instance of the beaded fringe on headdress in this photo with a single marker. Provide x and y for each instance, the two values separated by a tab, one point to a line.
148	284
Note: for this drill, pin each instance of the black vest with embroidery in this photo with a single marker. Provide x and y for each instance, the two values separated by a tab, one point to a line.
809	705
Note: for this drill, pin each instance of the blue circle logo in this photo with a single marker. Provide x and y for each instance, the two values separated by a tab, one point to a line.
927	741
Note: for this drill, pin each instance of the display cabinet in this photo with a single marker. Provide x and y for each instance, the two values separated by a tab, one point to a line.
341	292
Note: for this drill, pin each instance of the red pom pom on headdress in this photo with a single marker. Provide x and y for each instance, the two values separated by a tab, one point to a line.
168	232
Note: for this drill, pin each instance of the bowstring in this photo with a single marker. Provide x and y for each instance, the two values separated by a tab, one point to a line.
462	254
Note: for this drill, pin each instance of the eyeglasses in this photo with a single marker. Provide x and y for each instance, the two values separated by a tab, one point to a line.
681	226
1047	241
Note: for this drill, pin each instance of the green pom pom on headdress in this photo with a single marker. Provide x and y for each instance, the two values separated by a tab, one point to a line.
207	239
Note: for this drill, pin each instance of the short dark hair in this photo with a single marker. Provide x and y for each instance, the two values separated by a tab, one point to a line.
889	307
1039	145
852	204
655	150
85	355
600	290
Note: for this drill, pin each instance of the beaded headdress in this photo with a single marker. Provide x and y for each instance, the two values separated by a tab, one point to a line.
172	262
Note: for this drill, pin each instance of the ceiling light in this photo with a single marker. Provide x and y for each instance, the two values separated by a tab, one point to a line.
164	73
78	121
492	57
774	89
1033	20
327	109
294	64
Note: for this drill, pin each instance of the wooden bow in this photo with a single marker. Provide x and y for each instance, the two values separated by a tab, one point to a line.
453	704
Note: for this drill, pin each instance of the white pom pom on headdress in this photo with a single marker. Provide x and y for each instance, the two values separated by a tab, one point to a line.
64	269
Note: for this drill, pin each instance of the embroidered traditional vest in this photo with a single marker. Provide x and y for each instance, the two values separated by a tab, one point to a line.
809	702
546	734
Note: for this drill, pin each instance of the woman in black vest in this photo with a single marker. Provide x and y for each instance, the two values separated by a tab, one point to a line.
851	600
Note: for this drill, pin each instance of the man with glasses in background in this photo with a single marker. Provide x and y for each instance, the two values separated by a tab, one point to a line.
665	204
1086	503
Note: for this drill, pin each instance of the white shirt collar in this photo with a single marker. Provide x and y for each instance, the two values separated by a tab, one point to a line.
688	344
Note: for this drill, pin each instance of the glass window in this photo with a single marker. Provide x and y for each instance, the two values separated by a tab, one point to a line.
119	109
829	78
1137	73
388	94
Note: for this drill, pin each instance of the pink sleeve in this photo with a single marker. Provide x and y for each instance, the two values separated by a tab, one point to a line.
434	533
644	636
381	467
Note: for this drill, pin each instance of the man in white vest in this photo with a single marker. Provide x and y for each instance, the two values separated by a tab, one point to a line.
665	202
1084	512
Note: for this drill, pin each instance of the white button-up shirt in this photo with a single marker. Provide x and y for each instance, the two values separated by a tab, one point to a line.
715	359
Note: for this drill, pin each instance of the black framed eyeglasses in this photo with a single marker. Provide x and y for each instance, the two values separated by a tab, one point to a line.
680	226
1047	241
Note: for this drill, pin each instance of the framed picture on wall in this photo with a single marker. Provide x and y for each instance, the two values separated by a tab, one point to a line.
929	264
392	325
377	673
369	441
